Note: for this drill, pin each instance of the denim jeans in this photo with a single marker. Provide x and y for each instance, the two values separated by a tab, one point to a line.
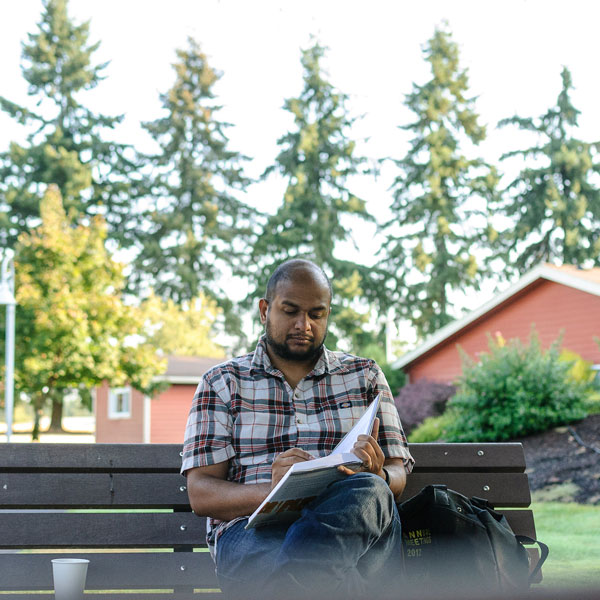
346	543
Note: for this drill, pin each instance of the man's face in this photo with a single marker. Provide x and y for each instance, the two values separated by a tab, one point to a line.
296	317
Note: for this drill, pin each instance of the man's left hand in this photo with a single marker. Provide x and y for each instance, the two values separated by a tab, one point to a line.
369	452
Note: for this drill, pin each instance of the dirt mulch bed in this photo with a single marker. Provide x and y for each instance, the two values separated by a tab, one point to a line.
566	461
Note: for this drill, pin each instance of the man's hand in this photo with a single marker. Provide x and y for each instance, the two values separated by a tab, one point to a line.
284	461
368	450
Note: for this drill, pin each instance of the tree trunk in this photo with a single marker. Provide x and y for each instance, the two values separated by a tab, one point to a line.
38	404
56	418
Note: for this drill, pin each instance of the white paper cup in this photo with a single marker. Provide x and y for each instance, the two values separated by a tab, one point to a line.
69	577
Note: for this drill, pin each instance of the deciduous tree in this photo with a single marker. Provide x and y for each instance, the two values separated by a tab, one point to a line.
73	328
182	329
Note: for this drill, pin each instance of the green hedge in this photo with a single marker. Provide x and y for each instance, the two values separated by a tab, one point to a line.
513	391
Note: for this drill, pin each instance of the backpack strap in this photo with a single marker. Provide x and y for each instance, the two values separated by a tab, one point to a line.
544	551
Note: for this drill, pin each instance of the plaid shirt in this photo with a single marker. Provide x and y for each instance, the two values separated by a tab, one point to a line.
245	412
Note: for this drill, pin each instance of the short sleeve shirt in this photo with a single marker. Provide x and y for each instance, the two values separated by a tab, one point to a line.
245	412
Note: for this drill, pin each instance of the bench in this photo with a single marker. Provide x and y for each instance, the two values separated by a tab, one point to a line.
78	499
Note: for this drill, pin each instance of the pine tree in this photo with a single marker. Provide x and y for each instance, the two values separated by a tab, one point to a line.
195	228
67	144
554	202
440	196
317	159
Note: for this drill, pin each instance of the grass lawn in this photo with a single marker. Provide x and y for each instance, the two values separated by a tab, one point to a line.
572	532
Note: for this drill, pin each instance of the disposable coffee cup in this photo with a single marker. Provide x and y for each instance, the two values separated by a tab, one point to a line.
69	577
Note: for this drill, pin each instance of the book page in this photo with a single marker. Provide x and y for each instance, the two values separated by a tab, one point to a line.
307	479
364	426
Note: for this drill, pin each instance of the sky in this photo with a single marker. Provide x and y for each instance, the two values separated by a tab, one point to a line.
513	50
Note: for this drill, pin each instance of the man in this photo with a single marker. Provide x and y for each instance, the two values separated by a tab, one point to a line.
292	400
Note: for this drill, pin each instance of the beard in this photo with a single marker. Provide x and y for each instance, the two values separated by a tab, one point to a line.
283	350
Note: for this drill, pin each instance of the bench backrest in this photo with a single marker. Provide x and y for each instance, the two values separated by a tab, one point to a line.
78	498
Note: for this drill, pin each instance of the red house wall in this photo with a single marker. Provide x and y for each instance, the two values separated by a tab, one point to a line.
169	414
552	307
119	431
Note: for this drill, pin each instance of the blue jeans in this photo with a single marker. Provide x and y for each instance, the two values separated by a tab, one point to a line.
346	543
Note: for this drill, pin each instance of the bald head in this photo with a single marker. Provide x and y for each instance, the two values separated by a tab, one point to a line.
296	270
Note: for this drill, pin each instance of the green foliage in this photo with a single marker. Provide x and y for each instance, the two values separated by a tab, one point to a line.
554	202
67	144
580	370
182	330
193	228
317	158
396	378
432	429
514	390
439	215
72	328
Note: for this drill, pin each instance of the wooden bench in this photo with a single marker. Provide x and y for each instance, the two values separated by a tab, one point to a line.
160	550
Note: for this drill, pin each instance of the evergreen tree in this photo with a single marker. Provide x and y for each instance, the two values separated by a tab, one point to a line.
73	330
554	202
194	228
65	144
317	159
440	196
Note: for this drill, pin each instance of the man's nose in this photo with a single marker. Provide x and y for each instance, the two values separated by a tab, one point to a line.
303	322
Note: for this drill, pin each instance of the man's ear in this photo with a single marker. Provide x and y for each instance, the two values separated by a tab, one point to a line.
263	305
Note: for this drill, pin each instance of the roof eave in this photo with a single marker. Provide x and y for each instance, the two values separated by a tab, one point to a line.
539	272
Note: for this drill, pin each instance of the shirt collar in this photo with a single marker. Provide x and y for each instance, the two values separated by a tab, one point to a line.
328	363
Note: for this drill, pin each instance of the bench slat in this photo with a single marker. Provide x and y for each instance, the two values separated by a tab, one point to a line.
82	490
101	530
114	570
521	522
90	457
57	530
142	595
168	490
166	457
469	457
501	489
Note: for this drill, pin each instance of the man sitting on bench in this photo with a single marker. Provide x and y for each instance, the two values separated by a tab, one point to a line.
292	400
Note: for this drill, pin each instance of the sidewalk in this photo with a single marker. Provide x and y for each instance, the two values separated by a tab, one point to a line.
79	430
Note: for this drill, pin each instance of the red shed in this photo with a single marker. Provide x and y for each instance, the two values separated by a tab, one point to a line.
125	415
556	300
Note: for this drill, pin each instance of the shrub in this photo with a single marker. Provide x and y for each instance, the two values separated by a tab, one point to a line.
514	390
432	429
422	399
396	378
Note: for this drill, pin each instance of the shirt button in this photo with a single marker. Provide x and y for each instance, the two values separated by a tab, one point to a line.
299	420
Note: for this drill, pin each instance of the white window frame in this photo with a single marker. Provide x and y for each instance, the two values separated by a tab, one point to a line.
113	411
596	368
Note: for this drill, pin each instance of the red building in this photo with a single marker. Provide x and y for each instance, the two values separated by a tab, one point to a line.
556	300
125	415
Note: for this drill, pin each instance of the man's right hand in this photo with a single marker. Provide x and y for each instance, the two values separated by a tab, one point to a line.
284	461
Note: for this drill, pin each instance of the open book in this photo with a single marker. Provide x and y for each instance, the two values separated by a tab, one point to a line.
304	481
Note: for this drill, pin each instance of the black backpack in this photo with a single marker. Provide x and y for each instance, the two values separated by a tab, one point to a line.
455	544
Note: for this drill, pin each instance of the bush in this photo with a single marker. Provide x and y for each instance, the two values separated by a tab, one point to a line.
420	400
396	378
514	390
432	429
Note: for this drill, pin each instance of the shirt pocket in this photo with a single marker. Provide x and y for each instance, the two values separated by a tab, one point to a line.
260	434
